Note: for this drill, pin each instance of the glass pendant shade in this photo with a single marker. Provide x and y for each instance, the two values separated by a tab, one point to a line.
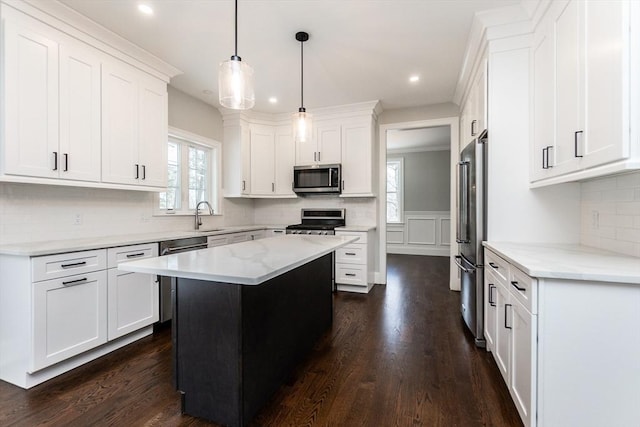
235	85
302	126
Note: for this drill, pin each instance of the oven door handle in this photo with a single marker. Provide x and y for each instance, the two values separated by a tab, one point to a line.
167	251
458	261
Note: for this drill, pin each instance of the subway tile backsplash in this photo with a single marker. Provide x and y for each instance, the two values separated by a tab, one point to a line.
610	210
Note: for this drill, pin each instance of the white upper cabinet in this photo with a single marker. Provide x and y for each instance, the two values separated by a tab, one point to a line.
324	148
357	158
582	88
263	167
30	81
77	111
473	119
134	127
80	138
284	161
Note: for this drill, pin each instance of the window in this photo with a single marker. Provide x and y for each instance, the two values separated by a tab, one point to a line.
394	189
193	166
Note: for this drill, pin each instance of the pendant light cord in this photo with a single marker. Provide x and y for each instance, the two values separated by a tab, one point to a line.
302	74
236	31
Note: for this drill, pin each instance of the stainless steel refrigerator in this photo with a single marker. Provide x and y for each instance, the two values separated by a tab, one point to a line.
471	232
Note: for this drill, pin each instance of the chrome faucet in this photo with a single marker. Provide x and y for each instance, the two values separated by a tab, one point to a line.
198	219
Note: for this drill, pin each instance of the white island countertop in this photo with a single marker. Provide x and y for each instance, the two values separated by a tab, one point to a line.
572	262
245	263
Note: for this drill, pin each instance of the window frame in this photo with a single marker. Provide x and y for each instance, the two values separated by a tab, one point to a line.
400	190
186	139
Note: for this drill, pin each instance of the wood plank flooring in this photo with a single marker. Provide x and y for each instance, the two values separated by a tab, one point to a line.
398	356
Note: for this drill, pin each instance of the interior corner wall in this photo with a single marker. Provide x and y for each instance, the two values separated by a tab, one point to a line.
193	115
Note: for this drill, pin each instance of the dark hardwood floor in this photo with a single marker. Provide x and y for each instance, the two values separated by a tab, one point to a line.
398	356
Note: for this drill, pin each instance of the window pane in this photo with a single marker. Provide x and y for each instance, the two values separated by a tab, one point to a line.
198	175
171	198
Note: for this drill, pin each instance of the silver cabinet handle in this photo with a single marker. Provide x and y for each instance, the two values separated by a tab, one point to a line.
505	316
243	185
458	261
55	160
66	162
350	274
492	302
315	153
350	253
575	140
273	187
137	171
144	172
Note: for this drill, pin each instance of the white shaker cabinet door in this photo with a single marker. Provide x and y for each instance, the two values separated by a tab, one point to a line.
357	158
523	363
502	353
152	132
133	302
69	317
329	141
606	136
31	101
285	158
120	124
262	160
80	139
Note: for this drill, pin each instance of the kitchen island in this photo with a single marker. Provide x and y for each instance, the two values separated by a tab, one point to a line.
244	316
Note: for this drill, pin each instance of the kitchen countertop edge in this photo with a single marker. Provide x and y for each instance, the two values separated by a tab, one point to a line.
89	243
244	263
570	262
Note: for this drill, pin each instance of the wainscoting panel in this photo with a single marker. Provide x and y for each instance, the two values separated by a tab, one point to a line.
420	233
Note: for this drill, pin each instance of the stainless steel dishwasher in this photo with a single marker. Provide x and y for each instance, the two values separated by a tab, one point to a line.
169	247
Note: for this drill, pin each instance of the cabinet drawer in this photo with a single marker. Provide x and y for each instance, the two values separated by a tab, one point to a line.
498	266
130	253
239	237
524	288
362	236
62	265
351	274
352	254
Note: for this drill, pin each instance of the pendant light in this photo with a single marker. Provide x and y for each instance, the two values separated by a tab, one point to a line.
235	79
302	119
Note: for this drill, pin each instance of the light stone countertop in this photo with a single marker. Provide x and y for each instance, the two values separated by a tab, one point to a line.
363	228
73	245
573	262
245	263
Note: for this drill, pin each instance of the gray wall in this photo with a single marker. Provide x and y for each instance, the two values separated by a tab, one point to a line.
191	114
426	180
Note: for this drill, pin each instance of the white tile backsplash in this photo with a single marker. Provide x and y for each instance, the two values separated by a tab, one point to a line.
30	213
610	217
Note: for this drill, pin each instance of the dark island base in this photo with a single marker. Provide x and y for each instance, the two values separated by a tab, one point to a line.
234	345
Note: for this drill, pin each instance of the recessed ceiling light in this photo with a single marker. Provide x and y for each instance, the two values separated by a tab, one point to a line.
146	9
414	79
273	100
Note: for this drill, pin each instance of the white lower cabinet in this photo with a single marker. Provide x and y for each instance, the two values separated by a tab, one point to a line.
568	349
69	317
60	311
354	263
511	331
133	298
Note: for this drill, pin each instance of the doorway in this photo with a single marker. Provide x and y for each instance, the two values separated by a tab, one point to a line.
418	226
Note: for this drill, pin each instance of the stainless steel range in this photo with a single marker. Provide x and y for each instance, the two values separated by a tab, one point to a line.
318	221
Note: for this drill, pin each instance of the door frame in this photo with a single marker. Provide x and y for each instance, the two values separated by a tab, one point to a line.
453	123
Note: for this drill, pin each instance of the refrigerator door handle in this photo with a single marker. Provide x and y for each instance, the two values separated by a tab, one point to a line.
458	261
462	229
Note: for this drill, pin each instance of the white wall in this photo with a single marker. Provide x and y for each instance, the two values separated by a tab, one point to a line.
31	212
610	213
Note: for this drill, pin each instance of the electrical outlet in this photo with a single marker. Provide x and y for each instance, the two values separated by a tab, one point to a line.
77	219
595	220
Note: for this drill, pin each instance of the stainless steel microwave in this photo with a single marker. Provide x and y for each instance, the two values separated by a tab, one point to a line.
317	179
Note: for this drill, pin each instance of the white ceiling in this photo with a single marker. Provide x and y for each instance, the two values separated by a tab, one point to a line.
359	50
421	139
